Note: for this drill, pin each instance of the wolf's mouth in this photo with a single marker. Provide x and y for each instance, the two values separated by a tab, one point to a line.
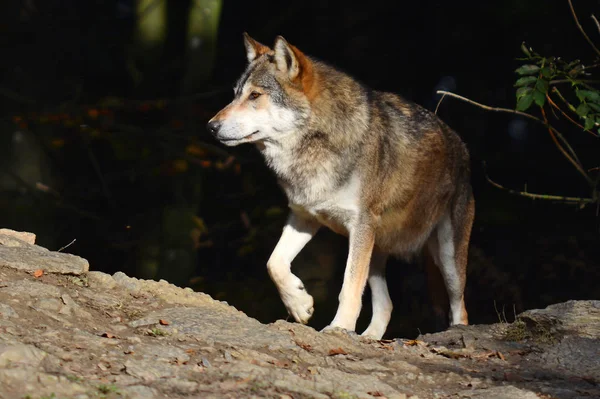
240	139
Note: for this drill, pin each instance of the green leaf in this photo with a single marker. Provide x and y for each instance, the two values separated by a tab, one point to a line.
525	81
525	50
547	72
524	102
589	123
539	98
542	85
591	95
594	106
527	70
521	91
583	109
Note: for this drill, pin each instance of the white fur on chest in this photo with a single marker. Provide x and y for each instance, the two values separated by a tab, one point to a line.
337	208
320	196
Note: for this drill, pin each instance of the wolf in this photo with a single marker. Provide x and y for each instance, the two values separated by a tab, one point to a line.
382	171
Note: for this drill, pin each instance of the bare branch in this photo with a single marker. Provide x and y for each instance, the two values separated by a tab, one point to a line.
438	104
596	21
559	81
570	200
553	132
68	245
487	107
572	157
555	90
581	28
553	104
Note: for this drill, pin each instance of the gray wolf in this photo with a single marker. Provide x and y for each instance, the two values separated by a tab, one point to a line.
370	165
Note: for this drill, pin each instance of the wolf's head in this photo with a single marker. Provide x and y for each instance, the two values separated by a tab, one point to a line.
271	98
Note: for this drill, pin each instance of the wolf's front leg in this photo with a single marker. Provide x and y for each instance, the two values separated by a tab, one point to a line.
361	240
296	234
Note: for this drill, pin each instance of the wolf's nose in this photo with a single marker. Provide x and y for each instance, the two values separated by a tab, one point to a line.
213	127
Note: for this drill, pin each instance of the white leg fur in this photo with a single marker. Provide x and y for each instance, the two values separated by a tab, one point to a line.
355	279
445	257
380	297
296	234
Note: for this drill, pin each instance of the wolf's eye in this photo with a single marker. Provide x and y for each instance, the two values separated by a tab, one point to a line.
254	95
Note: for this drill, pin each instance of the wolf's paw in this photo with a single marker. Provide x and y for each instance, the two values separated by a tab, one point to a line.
298	302
372	333
338	331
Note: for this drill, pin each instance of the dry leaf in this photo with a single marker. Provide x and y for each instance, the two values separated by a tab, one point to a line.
414	342
38	273
337	351
163	322
500	355
387	347
450	354
306	347
377	394
108	335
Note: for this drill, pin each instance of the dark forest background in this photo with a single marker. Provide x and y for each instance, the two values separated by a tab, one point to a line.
103	106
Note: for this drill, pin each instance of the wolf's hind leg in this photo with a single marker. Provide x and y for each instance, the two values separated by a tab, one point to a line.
380	296
296	234
449	246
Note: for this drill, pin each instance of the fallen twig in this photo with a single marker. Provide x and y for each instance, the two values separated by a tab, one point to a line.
68	245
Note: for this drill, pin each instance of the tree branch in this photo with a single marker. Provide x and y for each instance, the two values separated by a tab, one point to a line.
438	104
573	159
576	200
581	28
570	106
559	81
597	23
552	130
553	104
487	107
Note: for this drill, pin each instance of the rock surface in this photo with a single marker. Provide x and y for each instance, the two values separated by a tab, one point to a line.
70	333
17	252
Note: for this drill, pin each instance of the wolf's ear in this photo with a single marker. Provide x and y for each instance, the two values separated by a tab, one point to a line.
254	49
288	58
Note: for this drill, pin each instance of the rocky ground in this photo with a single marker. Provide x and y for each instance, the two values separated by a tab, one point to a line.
66	332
